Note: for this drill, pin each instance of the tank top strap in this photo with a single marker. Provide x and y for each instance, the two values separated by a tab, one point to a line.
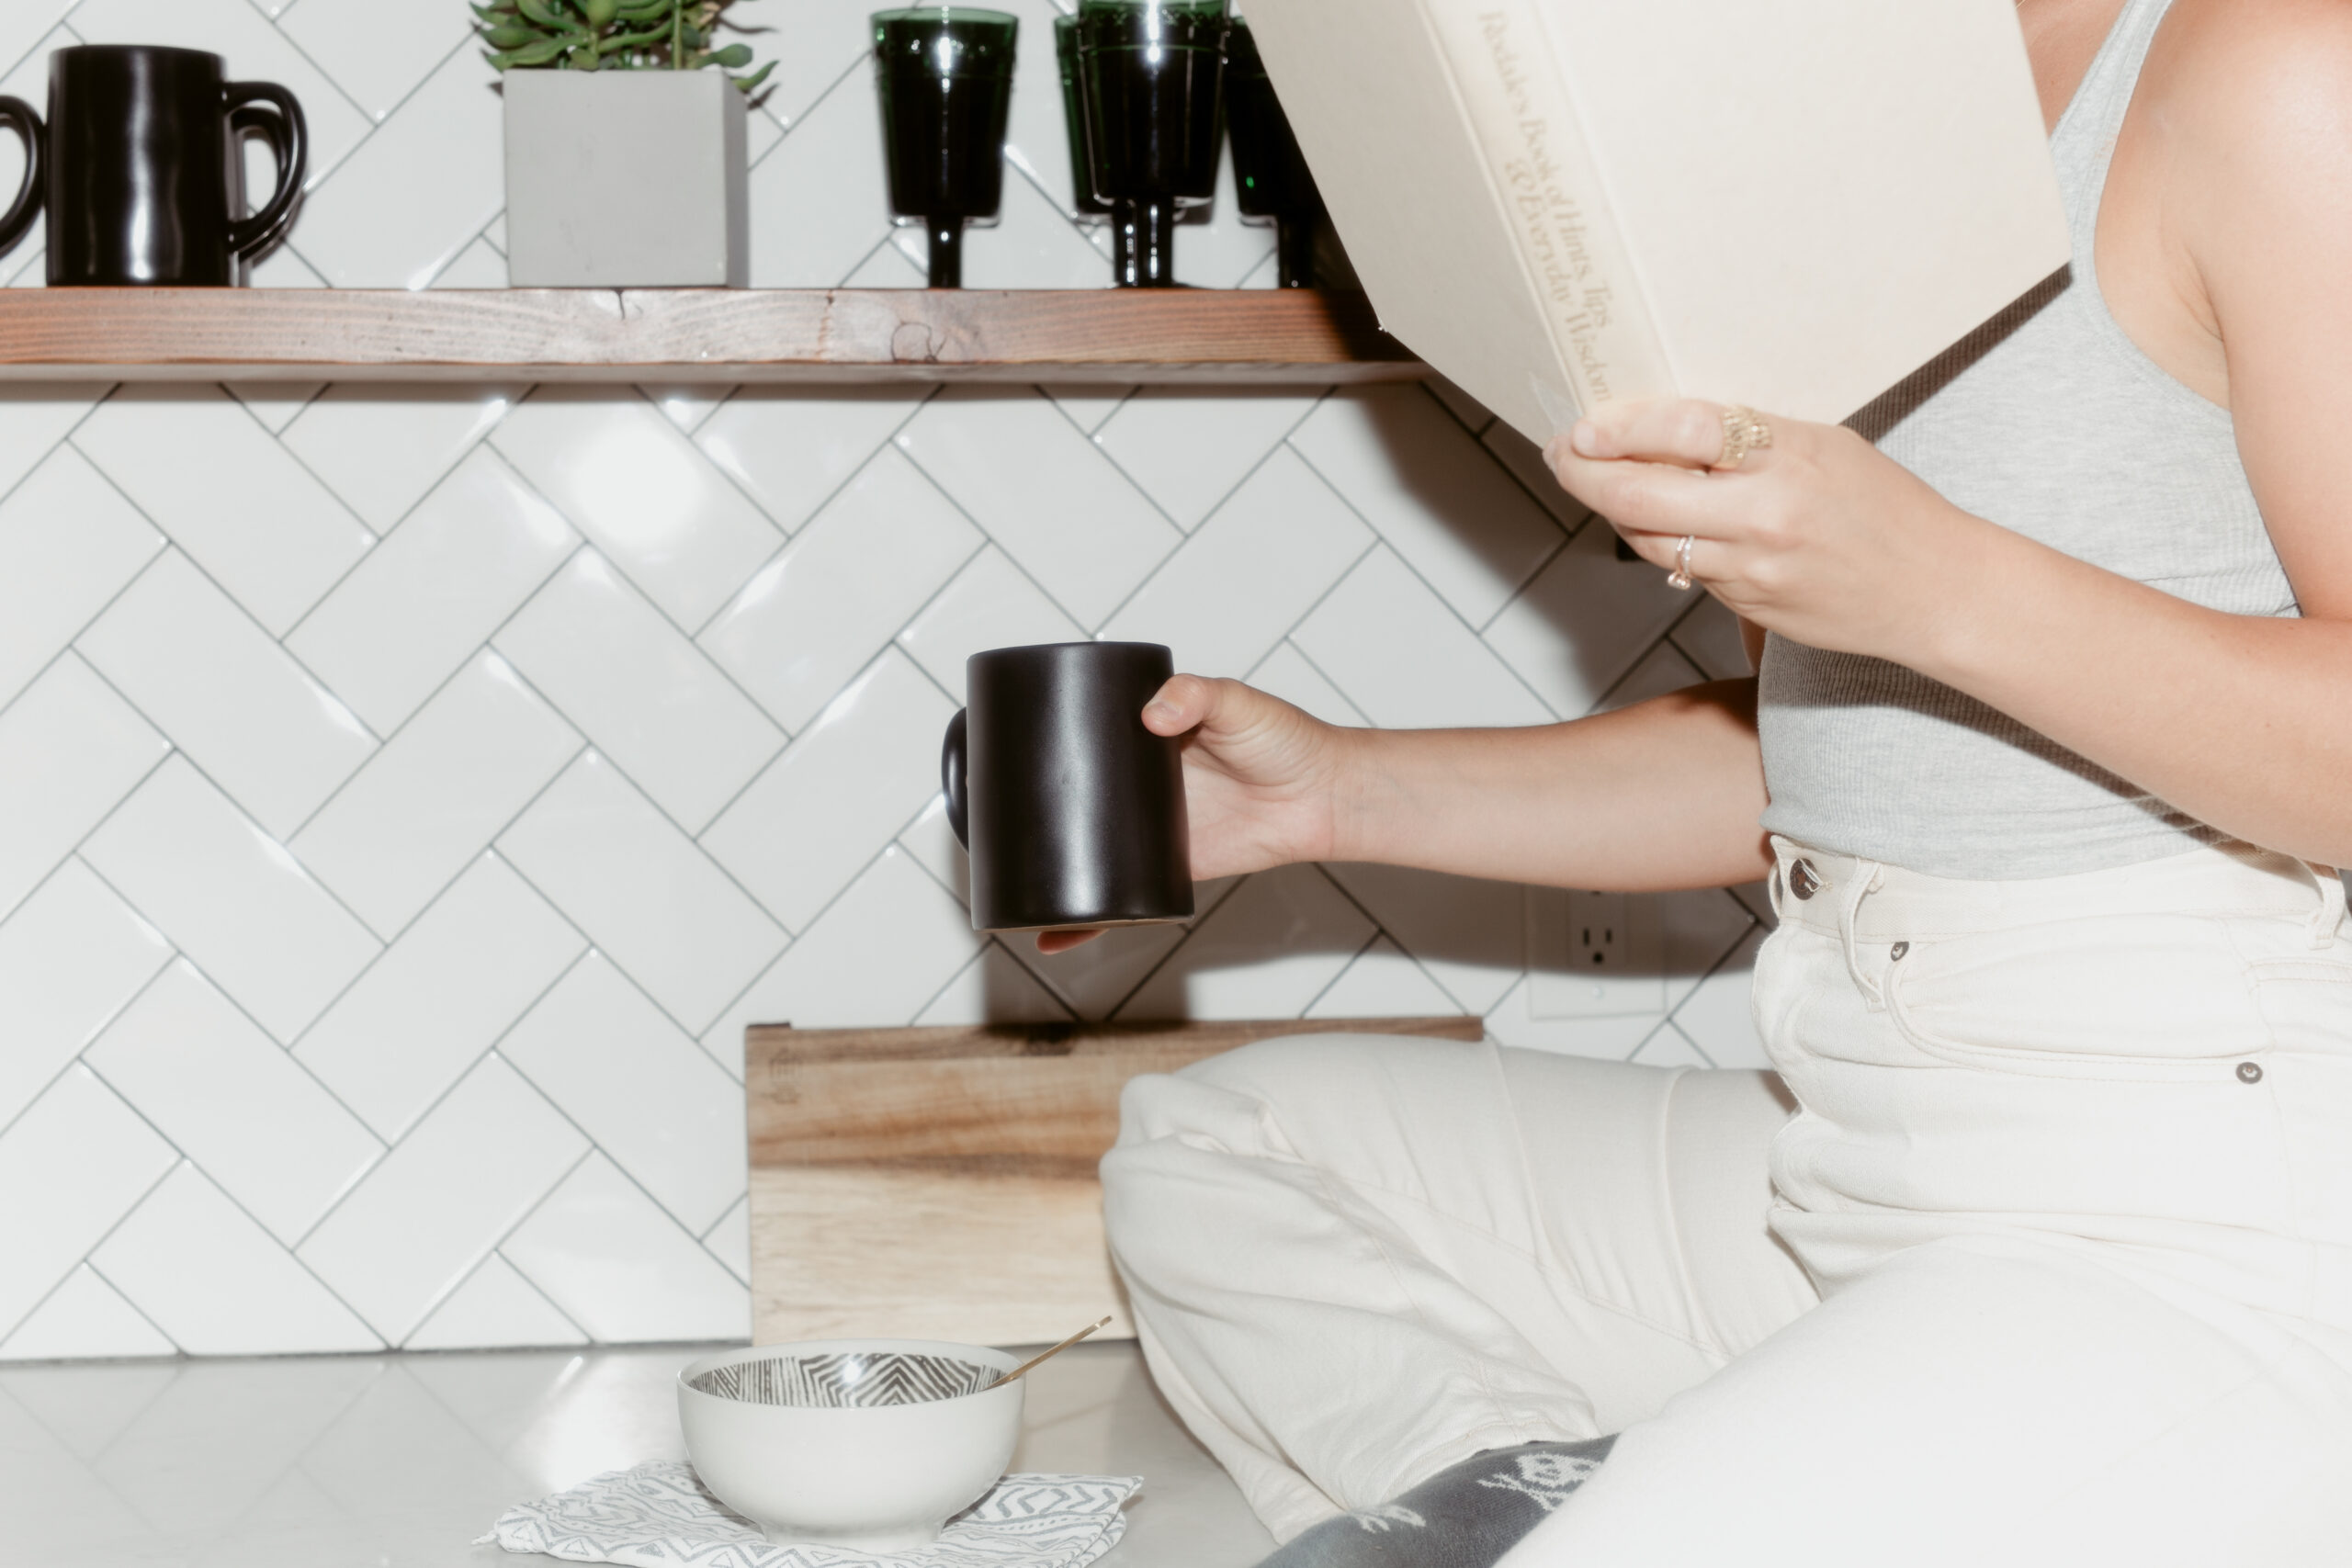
2083	143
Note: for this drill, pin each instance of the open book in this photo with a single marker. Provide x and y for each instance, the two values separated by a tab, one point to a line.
1792	204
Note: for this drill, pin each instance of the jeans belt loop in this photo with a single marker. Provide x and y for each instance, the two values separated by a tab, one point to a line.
2328	918
1867	881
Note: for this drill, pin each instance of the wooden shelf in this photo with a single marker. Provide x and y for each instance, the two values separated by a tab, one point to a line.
1267	336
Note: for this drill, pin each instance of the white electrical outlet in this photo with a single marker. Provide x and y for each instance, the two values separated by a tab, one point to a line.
1594	954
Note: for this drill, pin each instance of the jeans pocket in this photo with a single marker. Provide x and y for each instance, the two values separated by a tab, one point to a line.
2140	999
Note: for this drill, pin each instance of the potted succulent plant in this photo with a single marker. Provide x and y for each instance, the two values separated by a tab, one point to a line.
625	142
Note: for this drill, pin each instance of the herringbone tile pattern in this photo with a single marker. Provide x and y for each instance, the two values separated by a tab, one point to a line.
407	795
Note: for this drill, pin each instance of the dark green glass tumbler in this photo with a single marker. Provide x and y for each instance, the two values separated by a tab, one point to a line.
947	86
1269	172
1082	185
1151	73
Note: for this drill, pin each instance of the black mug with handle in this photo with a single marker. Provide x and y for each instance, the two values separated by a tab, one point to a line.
134	166
1072	810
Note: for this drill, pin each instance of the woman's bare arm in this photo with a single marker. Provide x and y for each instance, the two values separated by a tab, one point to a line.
1662	795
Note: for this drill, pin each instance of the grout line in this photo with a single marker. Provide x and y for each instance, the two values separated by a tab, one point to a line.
1341	973
436	1302
107	1235
1227	499
180	956
49	1083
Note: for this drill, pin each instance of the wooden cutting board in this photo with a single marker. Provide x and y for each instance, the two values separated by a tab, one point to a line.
939	1183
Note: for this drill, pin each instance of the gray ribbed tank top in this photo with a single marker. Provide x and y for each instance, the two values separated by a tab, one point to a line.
2048	421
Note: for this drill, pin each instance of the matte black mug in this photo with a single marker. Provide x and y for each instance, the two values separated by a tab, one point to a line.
138	153
1073	811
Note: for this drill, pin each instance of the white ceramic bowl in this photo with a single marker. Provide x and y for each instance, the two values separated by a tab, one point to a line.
867	1443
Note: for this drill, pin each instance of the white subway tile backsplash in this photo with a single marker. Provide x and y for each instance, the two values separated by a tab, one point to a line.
435	1206
206	473
848	581
495	1307
1525	462
853	778
830	163
1470	935
227	694
620	1268
1188	448
1092	980
642	891
1292	676
229	899
1383	981
35	417
1236	588
1585	621
440	996
69	543
993	988
1031	246
1404	660
378	66
791	448
812	45
232	1100
642	492
634	1082
71	1167
1663	669
647	698
206	1275
86	1318
275	403
1223	969
423	604
382	448
1088	404
730	1240
1417	475
1716	1017
878	956
1045	493
1669	1047
443	786
992	604
70	748
1710	638
417	191
71	957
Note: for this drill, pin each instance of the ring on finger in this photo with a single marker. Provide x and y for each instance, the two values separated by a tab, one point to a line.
1745	431
1681	576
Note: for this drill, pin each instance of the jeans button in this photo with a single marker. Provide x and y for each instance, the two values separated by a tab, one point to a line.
1804	881
2249	1072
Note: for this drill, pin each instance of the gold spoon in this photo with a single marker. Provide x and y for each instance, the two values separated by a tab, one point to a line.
1045	1355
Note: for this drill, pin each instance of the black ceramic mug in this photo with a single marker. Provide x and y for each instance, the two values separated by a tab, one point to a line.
138	157
1073	811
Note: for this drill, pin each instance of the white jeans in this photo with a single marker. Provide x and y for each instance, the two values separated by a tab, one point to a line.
2041	1256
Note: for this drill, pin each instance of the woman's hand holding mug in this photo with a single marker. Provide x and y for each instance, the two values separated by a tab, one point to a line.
1260	780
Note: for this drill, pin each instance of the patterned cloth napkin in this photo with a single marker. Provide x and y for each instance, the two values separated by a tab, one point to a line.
658	1515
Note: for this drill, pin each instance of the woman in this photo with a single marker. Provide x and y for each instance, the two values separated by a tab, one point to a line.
2038	1247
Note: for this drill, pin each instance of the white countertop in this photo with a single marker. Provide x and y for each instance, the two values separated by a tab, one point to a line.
399	1462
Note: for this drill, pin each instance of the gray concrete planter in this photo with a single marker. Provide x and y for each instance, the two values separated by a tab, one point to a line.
626	179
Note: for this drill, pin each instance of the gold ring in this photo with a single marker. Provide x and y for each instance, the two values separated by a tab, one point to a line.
1745	431
1681	577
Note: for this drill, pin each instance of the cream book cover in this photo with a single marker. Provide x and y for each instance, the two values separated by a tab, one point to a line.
1792	204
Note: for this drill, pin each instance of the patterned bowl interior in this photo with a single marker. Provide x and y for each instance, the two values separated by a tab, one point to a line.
847	1380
